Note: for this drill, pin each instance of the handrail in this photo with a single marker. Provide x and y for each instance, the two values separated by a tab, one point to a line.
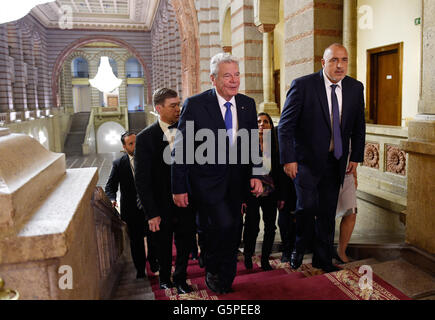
111	241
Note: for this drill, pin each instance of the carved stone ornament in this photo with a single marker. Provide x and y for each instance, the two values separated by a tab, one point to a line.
371	155
395	160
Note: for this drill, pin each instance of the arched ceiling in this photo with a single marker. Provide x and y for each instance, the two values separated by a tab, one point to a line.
98	14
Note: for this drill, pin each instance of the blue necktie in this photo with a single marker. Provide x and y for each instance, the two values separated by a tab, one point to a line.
338	148
229	120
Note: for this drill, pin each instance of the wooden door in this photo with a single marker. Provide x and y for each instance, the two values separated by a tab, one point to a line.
385	85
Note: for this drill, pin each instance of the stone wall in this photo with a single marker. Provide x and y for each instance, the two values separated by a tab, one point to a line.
166	49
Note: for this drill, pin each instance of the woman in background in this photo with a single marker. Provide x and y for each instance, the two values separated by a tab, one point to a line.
275	187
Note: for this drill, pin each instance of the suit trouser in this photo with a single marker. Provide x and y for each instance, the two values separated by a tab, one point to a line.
136	233
252	221
287	228
180	228
315	211
221	228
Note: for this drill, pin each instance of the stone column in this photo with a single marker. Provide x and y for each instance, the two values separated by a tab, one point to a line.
6	98
16	52
247	45
95	94
310	26
350	22
32	75
122	90
420	218
268	105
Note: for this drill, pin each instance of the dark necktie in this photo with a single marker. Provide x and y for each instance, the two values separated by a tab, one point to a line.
229	121
338	148
138	203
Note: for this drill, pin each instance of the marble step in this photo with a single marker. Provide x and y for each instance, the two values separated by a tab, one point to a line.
406	277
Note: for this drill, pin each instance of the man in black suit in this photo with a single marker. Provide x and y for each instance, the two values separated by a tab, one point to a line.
153	184
216	187
322	112
122	175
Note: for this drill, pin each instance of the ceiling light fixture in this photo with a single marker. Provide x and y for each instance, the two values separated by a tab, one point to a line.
105	80
18	9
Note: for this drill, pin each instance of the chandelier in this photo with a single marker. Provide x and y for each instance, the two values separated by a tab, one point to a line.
18	9
105	80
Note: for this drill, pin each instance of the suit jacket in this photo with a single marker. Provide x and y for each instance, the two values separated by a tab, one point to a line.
211	182
305	127
153	175
122	175
284	188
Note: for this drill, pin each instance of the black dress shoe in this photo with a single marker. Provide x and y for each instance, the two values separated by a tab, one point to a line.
296	259
141	275
166	284
183	287
265	265
285	257
248	262
212	282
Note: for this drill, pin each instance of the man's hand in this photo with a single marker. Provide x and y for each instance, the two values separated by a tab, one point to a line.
244	206
351	168
181	200
257	187
154	224
355	178
114	203
280	204
291	169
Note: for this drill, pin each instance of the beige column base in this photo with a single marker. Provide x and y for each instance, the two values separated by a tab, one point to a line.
269	107
420	218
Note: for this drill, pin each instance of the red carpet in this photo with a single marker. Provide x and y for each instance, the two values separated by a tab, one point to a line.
282	283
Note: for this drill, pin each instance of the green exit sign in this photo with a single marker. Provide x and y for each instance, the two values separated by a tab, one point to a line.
417	21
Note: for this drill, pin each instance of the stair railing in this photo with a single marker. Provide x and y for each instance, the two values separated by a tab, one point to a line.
111	241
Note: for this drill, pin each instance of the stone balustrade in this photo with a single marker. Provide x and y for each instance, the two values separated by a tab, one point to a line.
59	239
382	181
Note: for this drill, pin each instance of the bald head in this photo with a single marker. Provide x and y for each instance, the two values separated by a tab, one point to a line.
328	51
335	62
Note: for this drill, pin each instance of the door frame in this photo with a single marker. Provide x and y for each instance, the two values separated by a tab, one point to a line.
371	88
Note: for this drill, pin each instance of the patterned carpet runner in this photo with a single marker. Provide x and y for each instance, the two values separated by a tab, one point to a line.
283	283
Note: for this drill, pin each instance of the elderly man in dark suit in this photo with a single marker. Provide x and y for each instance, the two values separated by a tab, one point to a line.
217	187
322	112
122	175
153	184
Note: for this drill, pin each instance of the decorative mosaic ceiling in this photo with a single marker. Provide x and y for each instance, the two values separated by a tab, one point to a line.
97	14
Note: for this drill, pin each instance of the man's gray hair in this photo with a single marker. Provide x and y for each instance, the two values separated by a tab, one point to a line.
217	59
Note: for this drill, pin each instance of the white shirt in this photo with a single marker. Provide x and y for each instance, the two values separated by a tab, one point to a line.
169	133
222	102
131	158
339	94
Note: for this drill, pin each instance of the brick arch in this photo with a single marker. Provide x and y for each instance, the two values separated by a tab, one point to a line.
66	52
187	19
78	54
